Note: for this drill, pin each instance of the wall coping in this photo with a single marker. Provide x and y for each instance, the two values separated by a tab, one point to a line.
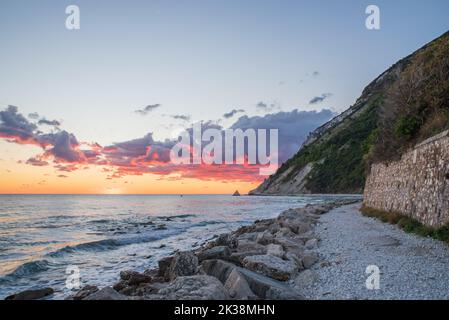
432	139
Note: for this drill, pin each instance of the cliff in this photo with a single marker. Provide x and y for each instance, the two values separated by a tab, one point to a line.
404	105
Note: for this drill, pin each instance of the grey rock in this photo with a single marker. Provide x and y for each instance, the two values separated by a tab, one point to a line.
183	264
134	278
309	259
31	294
268	288
218	268
264	238
311	244
164	265
84	292
199	287
238	287
275	250
219	252
271	266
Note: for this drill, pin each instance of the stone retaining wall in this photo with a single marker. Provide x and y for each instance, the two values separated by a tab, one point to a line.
417	185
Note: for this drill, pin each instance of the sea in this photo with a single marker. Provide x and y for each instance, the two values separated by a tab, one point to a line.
47	240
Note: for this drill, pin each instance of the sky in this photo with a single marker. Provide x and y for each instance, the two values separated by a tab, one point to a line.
137	73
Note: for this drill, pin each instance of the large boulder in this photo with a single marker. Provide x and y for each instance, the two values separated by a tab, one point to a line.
218	268
199	287
268	288
183	264
164	265
309	259
238	287
134	278
295	225
275	250
265	237
311	244
225	239
84	292
31	294
261	285
106	293
219	252
271	266
290	245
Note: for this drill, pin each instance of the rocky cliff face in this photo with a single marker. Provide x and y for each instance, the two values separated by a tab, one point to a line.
336	157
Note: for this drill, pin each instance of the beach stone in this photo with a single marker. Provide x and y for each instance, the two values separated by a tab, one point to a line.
290	246
295	259
249	236
184	263
306	278
107	293
219	252
264	238
199	287
31	294
84	292
138	278
126	274
275	250
311	244
268	288
164	265
238	287
284	232
134	278
225	239
296	226
218	268
250	246
309	259
271	266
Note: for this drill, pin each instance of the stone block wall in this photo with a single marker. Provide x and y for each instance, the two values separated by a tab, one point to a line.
417	185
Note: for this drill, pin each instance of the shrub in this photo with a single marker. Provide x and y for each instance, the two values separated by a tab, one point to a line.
408	224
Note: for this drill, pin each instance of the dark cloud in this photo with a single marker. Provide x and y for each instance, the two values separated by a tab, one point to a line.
147	109
15	126
183	117
266	107
36	162
293	126
315	73
63	146
55	123
321	98
232	113
33	115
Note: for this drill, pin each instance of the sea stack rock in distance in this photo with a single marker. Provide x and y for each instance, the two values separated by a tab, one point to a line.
236	193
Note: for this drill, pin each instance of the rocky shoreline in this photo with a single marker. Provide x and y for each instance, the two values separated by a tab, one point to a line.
266	260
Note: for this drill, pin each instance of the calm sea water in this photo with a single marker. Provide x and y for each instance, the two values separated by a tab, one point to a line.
42	235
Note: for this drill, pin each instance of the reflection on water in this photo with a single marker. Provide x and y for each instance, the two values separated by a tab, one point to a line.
41	235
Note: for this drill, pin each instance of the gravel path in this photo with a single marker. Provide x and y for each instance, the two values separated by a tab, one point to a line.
411	267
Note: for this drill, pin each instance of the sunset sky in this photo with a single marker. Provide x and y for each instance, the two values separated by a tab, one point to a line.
95	110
